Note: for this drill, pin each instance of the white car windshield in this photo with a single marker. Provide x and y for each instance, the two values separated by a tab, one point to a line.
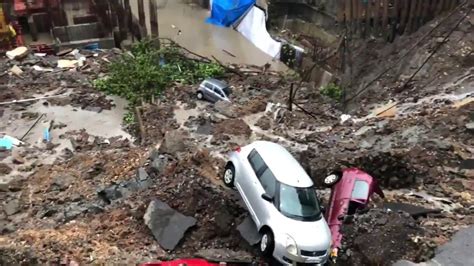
299	203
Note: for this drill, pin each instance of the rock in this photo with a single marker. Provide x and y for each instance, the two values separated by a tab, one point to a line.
470	126
413	210
226	109
248	230
4	169
17	53
167	225
159	163
93	109
12	207
363	131
17	158
6	227
142	174
264	123
72	211
110	194
123	189
61	182
173	142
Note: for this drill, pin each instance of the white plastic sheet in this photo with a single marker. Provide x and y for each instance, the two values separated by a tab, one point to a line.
253	28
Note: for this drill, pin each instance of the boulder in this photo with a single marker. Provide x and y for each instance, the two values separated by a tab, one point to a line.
12	207
226	108
167	225
173	142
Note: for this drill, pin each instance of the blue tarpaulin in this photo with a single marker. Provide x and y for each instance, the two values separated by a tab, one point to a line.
226	12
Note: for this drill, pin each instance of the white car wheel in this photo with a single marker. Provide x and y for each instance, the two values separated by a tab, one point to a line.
332	179
199	95
267	243
229	175
264	243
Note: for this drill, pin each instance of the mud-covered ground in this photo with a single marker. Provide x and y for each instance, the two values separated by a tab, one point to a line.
60	200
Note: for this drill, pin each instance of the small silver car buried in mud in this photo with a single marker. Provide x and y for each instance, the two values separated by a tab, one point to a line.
282	202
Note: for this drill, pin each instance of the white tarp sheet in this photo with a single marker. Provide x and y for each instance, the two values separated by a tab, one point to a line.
253	28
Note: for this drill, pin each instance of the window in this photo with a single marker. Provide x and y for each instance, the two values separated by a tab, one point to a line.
361	190
256	162
218	91
299	203
208	85
268	181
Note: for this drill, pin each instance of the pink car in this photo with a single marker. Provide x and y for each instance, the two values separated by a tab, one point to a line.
351	189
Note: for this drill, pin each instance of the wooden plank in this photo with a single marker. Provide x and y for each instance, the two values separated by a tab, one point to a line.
404	8
376	17
453	4
355	13
153	18
364	19
432	9
348	12
385	15
141	13
341	5
370	17
439	9
419	10
411	15
426	9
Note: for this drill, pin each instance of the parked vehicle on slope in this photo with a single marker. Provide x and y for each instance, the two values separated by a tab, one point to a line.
213	90
282	202
351	190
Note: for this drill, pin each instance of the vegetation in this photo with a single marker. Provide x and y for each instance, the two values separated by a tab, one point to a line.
333	91
146	71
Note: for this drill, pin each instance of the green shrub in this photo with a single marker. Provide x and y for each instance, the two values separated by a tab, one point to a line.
147	71
333	91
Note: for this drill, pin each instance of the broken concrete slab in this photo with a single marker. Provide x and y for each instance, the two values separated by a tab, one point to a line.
248	230
16	71
167	225
17	53
413	210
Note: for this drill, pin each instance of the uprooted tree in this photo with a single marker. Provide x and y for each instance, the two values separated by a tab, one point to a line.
145	71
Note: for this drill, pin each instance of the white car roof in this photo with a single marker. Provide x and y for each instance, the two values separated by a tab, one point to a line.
283	165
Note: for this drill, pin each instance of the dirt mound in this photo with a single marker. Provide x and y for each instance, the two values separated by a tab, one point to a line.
379	238
236	127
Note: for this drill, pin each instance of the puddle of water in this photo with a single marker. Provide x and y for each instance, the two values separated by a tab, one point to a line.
106	124
181	115
185	24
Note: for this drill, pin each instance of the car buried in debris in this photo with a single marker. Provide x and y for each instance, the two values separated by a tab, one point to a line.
213	90
282	201
351	190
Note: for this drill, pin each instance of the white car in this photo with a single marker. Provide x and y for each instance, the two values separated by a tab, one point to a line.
282	202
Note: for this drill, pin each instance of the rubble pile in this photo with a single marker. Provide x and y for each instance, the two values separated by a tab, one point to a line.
102	198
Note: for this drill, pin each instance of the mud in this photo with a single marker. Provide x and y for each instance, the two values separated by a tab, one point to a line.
186	24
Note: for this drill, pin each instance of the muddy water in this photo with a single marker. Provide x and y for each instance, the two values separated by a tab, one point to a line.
185	24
